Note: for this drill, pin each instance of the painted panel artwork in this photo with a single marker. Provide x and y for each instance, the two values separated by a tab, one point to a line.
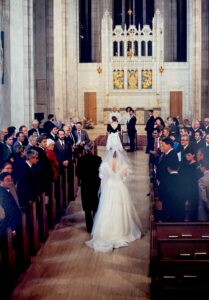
146	79
2	57
118	79
132	79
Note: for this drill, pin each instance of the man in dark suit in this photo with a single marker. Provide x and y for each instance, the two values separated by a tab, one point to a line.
88	172
81	135
168	155
35	127
7	153
63	151
131	130
205	127
81	138
172	198
53	133
19	142
10	215
149	129
26	185
199	142
43	169
48	125
1	147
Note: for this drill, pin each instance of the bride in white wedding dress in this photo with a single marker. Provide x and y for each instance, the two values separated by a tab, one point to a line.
116	222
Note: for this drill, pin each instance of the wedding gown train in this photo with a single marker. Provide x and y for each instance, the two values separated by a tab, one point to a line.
116	222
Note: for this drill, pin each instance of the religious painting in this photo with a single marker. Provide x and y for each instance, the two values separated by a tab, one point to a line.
118	79
132	79
2	57
146	79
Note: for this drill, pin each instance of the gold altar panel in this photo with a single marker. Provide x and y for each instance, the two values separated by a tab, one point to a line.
132	79
140	116
146	79
118	79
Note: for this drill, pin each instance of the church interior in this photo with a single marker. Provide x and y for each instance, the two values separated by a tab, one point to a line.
75	63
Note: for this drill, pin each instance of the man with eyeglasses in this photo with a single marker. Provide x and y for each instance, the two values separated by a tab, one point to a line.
185	145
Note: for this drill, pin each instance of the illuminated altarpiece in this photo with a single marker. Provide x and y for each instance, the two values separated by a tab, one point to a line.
132	65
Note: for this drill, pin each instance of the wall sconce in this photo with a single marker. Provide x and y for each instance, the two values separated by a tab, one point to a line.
161	70
99	69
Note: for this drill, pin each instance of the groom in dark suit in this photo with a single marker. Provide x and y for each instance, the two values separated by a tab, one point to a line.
88	172
131	130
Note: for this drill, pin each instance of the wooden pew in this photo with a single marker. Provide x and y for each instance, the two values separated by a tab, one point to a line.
52	206
33	228
59	197
43	219
179	259
66	188
25	242
76	180
7	264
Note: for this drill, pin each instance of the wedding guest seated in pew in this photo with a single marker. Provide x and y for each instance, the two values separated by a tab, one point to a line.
203	184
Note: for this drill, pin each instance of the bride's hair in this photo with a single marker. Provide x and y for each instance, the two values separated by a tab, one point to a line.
118	160
114	119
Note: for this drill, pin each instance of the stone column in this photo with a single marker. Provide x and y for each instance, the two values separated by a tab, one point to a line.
60	59
107	5
5	71
159	4
96	19
205	59
22	89
197	58
170	21
72	44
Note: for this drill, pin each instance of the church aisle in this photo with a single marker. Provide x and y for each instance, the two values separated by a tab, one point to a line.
65	268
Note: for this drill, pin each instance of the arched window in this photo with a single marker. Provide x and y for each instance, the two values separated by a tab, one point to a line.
121	48
136	49
143	48
115	48
149	44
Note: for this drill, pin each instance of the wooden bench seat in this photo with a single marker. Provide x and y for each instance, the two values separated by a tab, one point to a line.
179	258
